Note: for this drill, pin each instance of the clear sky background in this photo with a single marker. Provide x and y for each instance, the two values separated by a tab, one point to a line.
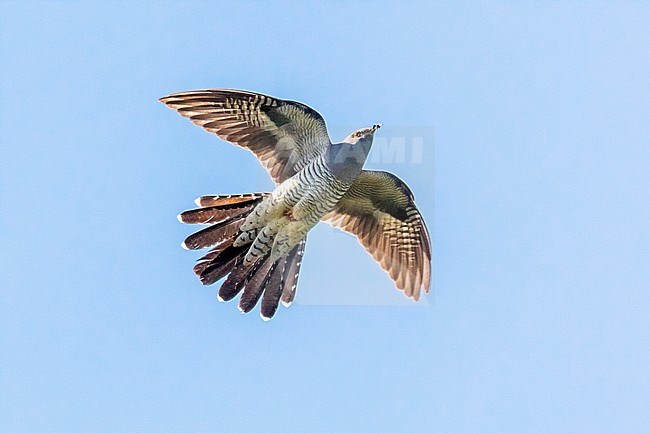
535	183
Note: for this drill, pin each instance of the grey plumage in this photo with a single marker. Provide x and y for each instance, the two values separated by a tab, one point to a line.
260	238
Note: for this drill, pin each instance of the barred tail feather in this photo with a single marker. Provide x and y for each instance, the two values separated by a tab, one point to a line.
230	199
213	214
292	272
214	234
273	290
235	281
254	286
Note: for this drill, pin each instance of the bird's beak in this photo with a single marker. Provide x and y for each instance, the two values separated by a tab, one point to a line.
373	128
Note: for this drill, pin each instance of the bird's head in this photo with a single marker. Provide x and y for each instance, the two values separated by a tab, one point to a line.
363	135
346	159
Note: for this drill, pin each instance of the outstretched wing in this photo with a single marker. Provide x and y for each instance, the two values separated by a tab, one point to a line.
284	135
379	210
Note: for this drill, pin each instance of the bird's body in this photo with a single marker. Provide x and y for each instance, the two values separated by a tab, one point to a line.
293	208
259	238
284	218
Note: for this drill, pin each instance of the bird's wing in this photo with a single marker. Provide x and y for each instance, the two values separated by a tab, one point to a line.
379	210
284	135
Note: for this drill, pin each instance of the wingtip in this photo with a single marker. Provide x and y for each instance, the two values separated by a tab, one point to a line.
179	217
197	201
412	296
286	304
266	319
220	299
184	245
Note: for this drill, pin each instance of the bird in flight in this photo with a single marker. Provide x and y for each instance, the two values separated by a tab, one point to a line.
258	240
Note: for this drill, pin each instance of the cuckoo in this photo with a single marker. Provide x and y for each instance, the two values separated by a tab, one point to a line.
258	240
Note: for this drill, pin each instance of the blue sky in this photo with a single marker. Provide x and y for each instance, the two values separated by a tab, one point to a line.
534	180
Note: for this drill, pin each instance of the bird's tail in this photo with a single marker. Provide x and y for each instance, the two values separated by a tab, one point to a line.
271	281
